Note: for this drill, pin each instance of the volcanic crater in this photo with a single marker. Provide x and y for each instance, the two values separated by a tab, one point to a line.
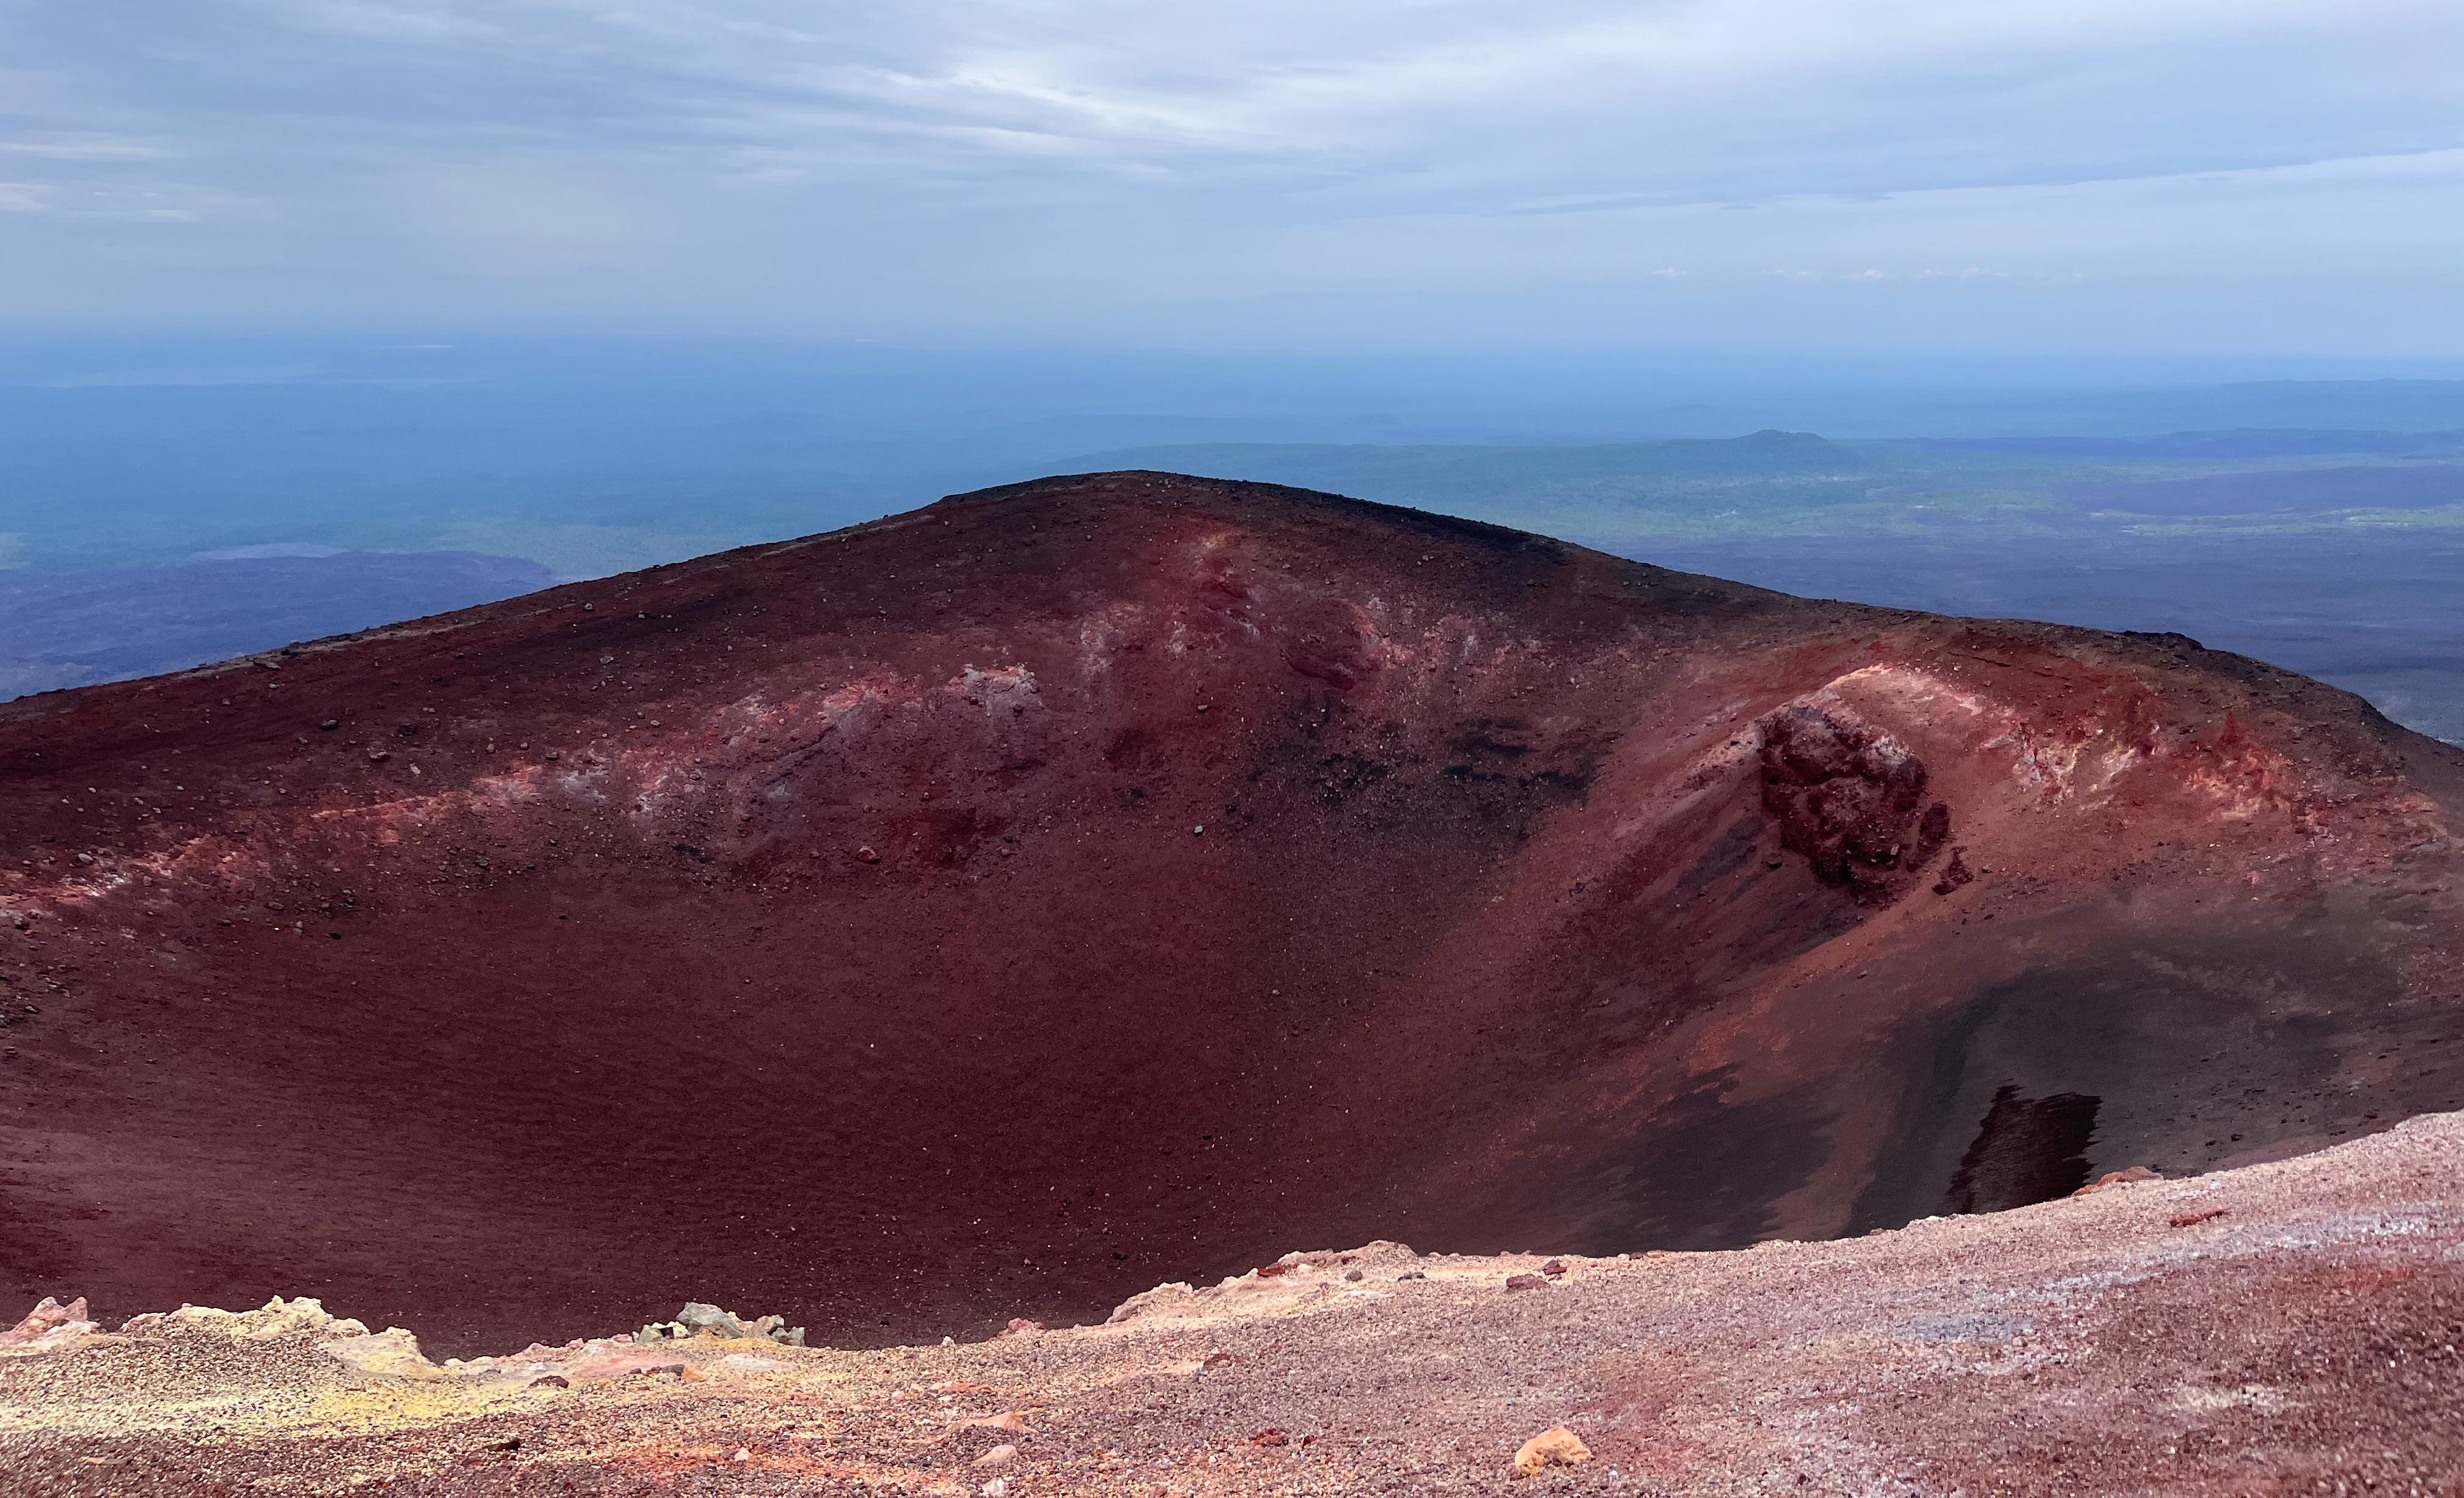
998	909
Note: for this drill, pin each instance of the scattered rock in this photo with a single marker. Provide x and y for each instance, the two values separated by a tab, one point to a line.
2117	1177
1011	1421
865	855
1021	1326
1524	1282
49	1325
1955	875
1553	1268
393	1353
1554	1446
1354	1276
998	1456
329	725
551	1380
1269	1436
2194	1219
698	1318
276	1321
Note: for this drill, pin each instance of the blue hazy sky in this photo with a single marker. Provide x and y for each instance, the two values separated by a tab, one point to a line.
2189	178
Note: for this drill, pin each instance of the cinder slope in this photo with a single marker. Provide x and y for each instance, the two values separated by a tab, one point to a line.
1007	905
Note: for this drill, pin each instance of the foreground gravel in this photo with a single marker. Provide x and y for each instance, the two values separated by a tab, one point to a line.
2283	1328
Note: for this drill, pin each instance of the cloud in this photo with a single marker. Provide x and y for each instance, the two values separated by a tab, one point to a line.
83	200
368	20
91	148
930	163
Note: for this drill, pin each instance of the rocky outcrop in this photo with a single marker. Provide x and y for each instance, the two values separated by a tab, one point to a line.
1849	799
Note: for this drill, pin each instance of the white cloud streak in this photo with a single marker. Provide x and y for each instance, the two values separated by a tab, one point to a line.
1026	159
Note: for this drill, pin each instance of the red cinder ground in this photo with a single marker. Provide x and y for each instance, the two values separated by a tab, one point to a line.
1000	908
2279	1329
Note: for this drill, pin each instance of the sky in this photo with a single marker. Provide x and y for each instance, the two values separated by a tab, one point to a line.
2186	178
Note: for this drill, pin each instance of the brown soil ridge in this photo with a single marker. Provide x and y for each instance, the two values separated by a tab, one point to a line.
2276	1329
1061	889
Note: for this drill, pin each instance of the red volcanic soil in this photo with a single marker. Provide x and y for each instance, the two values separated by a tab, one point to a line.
1003	907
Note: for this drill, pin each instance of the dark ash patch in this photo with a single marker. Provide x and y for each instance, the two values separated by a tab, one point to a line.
2027	1150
